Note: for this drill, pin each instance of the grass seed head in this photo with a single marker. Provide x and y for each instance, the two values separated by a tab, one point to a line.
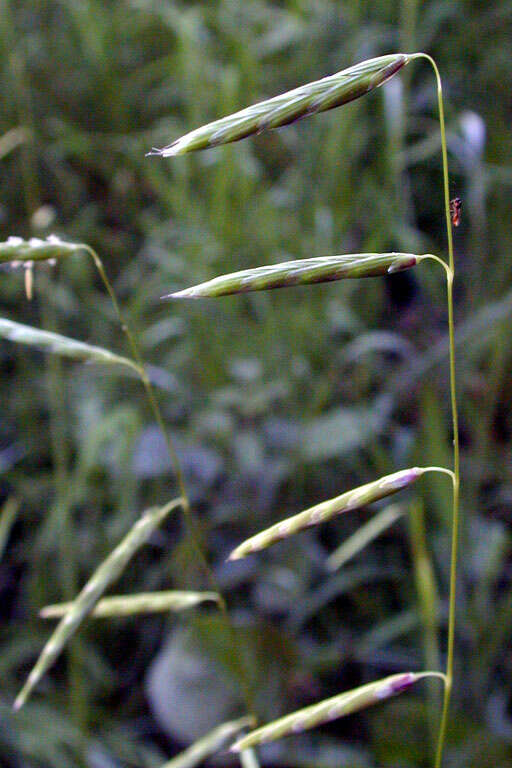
318	96
358	497
330	709
322	269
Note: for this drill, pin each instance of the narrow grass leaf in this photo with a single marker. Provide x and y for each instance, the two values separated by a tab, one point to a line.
144	602
330	709
363	536
320	513
209	744
13	139
16	249
7	518
318	96
47	341
105	574
322	269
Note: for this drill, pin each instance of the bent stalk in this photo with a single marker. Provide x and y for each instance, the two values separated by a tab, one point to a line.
450	273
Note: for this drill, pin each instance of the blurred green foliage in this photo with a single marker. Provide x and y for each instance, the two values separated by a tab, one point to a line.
276	400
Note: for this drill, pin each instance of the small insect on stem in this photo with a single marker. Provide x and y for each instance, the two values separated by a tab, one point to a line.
455	210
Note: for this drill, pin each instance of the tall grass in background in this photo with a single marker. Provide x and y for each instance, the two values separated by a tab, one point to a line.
201	201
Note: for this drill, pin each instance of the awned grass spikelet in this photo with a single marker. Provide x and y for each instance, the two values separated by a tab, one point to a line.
322	269
331	709
318	96
320	513
144	602
105	574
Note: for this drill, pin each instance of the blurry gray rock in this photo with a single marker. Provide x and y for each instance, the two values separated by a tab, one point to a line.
186	691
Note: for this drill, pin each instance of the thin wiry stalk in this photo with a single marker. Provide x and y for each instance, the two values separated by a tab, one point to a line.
142	602
333	708
105	574
318	96
455	422
302	272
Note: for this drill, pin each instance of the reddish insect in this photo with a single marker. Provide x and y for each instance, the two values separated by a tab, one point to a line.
455	210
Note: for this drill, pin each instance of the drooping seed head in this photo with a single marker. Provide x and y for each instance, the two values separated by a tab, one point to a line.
318	96
330	709
351	500
322	269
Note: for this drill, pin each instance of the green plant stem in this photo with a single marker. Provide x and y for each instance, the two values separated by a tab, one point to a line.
186	506
453	398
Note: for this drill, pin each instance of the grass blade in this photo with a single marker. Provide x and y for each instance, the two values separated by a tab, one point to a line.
330	709
7	518
144	602
47	341
320	513
318	96
363	536
322	269
105	574
209	744
17	249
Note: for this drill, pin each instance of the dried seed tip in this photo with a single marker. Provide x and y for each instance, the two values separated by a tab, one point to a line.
302	272
29	280
348	501
318	96
328	710
400	264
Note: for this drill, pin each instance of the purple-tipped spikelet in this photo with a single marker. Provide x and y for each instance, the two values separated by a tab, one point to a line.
331	709
354	499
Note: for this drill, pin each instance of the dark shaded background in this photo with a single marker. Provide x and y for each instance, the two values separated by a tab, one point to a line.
277	400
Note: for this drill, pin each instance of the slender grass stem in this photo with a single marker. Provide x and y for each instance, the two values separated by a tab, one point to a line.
190	520
443	470
453	398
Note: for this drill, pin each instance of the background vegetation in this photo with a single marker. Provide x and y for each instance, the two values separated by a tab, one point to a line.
276	401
